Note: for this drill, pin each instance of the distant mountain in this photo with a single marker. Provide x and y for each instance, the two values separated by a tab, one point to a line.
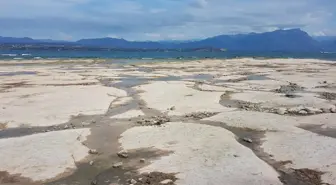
27	40
13	40
327	43
120	43
293	40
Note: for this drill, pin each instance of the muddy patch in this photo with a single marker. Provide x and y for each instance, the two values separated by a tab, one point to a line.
292	95
302	177
104	171
253	139
7	179
263	66
289	89
200	115
3	126
17	73
154	120
328	96
156	178
72	84
226	101
7	86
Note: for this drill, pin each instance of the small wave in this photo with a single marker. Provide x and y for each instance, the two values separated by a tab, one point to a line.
37	58
326	52
17	58
9	55
147	58
26	54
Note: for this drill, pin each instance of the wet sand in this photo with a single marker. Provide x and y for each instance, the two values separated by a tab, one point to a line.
238	121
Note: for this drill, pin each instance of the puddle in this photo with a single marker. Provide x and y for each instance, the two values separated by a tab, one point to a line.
257	77
205	77
131	82
18	73
318	129
168	78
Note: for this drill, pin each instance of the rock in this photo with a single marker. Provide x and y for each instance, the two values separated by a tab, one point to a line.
248	140
312	110
281	111
85	124
123	154
117	165
167	181
235	155
91	163
93	151
303	112
324	126
288	89
142	160
325	110
94	182
66	127
333	109
295	110
172	108
132	181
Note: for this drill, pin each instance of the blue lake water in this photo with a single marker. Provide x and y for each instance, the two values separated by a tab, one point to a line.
148	55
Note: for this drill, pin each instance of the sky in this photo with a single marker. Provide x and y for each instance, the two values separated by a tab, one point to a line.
162	19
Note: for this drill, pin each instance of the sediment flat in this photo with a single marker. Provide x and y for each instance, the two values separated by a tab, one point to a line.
231	122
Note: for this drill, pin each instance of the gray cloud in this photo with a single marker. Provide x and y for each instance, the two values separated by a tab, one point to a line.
164	19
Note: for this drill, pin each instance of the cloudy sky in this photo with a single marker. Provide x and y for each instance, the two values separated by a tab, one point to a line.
161	19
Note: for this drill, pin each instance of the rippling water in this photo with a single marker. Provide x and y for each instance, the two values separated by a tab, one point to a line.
148	55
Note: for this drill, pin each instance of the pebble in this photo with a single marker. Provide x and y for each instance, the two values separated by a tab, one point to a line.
85	124
93	151
172	108
303	112
333	109
167	181
248	140
66	127
91	163
312	110
117	165
133	181
325	110
281	111
295	110
142	160
94	182
123	154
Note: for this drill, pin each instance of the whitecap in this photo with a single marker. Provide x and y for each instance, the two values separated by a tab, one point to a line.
9	55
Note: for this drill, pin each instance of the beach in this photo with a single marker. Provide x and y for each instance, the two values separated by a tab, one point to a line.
210	121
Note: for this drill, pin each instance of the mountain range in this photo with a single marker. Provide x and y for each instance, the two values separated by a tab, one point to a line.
293	40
